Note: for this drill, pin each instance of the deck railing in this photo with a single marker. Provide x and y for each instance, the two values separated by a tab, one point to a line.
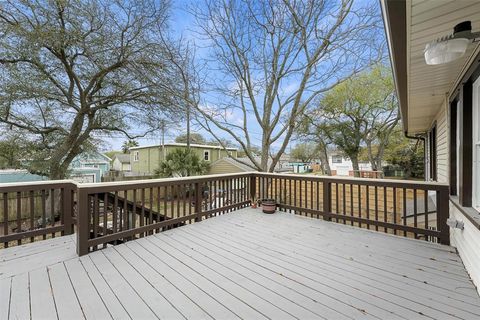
414	209
115	212
33	211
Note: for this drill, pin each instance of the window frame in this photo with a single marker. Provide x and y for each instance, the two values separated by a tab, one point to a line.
476	144
336	161
136	156
206	152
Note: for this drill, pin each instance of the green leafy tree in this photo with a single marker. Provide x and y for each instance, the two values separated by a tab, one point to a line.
194	138
407	154
305	152
182	163
129	144
361	111
74	70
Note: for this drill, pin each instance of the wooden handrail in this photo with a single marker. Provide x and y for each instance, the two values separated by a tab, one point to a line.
114	212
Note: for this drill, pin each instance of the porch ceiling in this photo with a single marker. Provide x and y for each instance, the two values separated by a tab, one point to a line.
426	86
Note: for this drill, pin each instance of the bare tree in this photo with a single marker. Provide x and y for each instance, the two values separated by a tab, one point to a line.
272	59
73	69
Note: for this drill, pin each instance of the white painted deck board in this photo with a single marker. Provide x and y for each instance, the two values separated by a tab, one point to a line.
240	265
426	305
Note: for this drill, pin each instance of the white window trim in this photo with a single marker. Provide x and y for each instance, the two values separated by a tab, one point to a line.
206	152
476	144
135	156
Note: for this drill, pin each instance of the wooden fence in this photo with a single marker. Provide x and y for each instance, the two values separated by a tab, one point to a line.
115	212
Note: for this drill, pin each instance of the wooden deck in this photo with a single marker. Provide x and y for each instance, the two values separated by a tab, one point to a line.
240	265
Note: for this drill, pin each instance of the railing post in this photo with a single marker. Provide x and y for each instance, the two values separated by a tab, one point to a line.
67	210
327	205
442	215
83	223
253	188
198	201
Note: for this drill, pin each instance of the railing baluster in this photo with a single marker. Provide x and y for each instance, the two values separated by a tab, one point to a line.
19	215
415	211
52	209
44	212
351	203
5	217
404	210
115	213
359	196
385	207
425	193
376	207
95	218
105	215
368	205
32	212
395	208
344	200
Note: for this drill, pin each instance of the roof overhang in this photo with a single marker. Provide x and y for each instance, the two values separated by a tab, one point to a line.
410	24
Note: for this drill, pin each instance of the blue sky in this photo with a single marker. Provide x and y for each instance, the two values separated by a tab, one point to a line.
182	24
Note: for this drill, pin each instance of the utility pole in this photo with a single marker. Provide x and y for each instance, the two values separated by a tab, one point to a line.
188	127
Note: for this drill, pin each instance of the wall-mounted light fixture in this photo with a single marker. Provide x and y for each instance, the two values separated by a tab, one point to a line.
452	47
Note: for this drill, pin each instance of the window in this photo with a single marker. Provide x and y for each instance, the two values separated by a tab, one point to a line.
206	155
476	144
135	155
336	159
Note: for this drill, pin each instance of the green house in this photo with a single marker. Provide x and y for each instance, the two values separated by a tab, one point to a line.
145	159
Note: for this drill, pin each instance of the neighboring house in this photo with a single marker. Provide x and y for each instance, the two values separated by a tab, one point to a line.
121	162
145	159
342	166
87	167
440	104
15	175
229	165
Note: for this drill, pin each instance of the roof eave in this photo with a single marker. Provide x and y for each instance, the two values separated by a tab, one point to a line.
395	19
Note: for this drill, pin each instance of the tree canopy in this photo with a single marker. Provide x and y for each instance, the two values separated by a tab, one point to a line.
304	152
360	112
72	71
267	61
181	163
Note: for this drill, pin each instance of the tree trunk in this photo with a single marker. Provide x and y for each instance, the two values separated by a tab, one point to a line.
356	168
324	161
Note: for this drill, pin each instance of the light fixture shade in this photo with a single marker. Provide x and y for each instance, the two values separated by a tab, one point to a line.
445	51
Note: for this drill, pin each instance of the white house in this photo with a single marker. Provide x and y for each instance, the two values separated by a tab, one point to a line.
121	162
436	67
341	165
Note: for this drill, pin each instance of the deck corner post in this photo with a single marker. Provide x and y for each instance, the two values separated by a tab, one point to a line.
443	212
253	188
198	201
327	195
83	223
67	210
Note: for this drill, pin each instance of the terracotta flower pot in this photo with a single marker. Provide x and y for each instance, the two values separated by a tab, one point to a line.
269	206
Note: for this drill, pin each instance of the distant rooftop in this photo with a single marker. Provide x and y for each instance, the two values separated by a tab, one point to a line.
194	145
122	157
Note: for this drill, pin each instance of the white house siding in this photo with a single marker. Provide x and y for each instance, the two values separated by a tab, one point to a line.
467	242
442	145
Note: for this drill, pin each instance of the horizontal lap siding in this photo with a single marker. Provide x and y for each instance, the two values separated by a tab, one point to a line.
467	241
442	145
